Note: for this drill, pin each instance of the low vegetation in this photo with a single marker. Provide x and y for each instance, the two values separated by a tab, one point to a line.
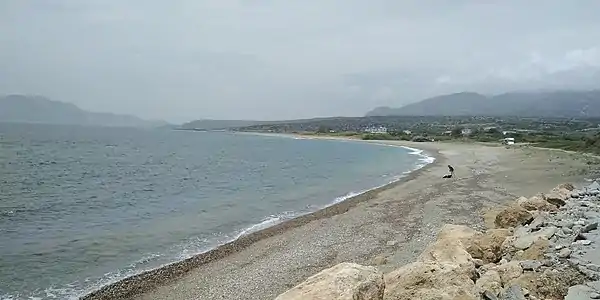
582	135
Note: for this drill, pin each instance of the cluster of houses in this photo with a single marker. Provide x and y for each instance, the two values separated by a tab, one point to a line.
507	140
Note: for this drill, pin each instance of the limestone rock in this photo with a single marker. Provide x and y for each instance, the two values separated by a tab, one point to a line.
450	246
345	281
509	271
534	252
536	203
489	282
488	246
513	216
429	281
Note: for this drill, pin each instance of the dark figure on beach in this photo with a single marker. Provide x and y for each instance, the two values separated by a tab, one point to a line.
451	169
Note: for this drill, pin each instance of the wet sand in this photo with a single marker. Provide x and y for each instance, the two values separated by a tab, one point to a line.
395	222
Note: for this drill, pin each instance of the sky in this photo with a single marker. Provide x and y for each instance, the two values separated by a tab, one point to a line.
182	60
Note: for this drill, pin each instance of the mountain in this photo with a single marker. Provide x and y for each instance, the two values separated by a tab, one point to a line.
564	103
36	109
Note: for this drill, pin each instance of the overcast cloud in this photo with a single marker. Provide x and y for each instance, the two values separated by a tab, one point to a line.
265	59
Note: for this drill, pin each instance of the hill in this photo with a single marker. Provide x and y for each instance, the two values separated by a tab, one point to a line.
218	124
36	109
564	104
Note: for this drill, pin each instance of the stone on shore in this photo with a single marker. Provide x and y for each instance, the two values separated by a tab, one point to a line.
513	216
536	203
450	247
345	281
445	270
430	281
488	246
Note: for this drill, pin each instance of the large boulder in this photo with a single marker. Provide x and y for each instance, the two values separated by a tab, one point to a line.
450	247
536	203
444	271
430	281
512	216
560	194
488	246
345	281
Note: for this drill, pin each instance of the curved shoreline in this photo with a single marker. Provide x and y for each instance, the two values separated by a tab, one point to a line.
151	279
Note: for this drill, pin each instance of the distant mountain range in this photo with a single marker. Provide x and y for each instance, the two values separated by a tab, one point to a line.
36	109
566	103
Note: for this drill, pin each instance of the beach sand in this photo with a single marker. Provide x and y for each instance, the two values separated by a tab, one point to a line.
395	222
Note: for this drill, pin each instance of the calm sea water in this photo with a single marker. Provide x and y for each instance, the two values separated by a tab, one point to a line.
81	207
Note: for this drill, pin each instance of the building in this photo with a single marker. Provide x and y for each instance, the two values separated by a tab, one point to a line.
376	129
466	131
508	141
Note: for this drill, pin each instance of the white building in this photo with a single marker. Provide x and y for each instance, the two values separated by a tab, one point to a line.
508	141
374	129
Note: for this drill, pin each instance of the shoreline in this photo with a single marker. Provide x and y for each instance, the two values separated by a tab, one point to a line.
148	280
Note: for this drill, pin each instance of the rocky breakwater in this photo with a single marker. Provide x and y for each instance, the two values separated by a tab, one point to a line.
543	247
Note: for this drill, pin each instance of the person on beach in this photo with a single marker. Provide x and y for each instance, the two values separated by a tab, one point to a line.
451	169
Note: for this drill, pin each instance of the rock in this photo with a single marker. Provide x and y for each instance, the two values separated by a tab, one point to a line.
488	246
554	283
556	198
509	271
564	253
589	227
489	282
593	186
512	216
391	243
530	265
565	224
538	221
345	281
429	281
593	267
575	195
582	242
594	295
487	295
478	262
579	292
534	252
514	292
450	247
567	186
524	242
536	203
379	260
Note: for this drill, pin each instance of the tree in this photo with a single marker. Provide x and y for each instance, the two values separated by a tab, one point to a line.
456	132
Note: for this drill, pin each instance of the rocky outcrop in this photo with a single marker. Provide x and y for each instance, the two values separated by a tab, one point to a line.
345	281
513	216
543	247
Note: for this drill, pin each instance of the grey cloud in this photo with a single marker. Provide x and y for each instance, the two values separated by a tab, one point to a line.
187	59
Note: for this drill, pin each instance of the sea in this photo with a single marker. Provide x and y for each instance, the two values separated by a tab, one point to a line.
82	207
